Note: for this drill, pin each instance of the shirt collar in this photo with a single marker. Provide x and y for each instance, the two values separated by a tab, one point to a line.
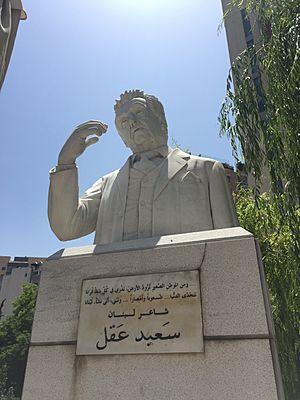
162	151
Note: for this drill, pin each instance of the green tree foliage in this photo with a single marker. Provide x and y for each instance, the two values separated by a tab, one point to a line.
268	133
261	217
260	115
15	333
5	392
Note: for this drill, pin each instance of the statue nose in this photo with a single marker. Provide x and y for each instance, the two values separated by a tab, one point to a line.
132	120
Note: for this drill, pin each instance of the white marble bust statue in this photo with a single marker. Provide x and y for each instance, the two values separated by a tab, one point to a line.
158	191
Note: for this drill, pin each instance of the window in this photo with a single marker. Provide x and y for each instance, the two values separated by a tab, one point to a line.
246	23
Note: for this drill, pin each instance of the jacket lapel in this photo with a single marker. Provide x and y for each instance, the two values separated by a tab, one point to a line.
122	183
175	161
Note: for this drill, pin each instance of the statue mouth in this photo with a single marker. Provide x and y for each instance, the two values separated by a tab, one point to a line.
135	130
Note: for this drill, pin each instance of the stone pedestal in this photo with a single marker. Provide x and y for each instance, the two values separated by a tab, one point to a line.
239	361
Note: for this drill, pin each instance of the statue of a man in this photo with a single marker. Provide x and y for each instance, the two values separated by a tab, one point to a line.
158	191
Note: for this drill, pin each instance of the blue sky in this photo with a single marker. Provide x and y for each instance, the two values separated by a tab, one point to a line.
71	60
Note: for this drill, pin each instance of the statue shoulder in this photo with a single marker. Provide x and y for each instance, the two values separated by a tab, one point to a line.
111	175
197	160
208	162
206	165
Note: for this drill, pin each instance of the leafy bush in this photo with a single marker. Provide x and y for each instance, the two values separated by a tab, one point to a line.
261	216
15	333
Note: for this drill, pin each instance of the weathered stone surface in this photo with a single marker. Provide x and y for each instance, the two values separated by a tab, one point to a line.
228	370
230	285
237	359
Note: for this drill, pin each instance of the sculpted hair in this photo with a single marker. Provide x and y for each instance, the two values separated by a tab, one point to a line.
154	104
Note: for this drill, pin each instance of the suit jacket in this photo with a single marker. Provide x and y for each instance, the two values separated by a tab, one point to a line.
190	194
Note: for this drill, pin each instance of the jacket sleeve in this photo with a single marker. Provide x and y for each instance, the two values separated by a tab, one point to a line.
71	216
222	206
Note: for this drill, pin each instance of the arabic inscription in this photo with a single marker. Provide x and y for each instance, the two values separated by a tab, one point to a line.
157	313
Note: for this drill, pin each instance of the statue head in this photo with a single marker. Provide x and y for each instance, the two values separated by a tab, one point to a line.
140	121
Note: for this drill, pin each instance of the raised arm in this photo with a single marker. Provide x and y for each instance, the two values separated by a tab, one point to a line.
69	215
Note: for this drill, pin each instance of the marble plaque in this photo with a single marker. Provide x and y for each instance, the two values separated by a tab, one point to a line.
154	313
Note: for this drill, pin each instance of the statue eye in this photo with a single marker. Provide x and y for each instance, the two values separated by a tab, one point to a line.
123	122
139	112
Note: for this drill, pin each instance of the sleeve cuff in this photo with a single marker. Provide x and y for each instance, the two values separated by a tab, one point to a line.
62	167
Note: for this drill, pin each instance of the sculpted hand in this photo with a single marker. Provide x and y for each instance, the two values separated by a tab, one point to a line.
80	140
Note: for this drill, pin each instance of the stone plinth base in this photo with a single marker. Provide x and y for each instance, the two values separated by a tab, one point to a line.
239	361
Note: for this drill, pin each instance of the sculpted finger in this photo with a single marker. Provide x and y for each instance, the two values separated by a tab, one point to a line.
86	131
99	126
103	127
86	123
88	128
91	140
91	122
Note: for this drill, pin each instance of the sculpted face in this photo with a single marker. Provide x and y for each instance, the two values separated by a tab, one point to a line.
139	127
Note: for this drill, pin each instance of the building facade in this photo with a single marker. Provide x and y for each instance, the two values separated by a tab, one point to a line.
242	32
14	273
